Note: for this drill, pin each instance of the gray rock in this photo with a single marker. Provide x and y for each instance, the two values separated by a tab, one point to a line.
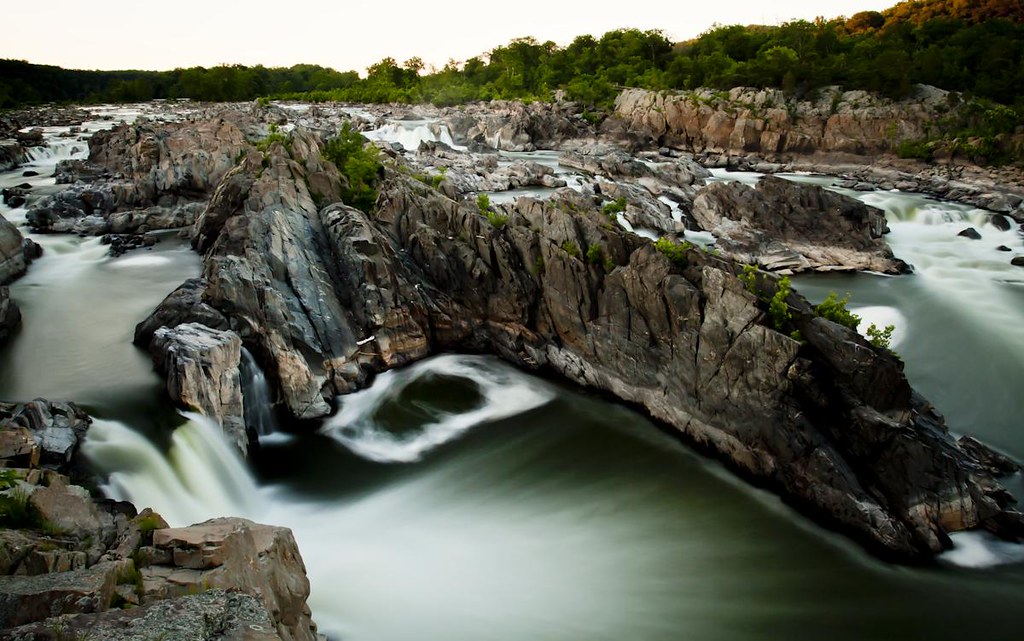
785	226
13	262
25	599
183	305
971	233
49	433
201	365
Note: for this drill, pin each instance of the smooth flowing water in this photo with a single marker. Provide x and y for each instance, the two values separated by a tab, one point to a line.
461	499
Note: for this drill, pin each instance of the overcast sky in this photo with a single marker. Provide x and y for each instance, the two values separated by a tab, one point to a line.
350	34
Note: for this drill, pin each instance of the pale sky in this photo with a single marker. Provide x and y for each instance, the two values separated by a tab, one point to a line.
350	34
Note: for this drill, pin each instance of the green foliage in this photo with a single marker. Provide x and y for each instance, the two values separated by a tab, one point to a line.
360	165
880	338
595	255
749	278
778	308
570	248
274	135
834	309
149	523
614	207
916	149
675	252
15	510
538	265
483	203
496	220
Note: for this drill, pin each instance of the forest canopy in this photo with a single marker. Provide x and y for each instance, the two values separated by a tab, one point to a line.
971	46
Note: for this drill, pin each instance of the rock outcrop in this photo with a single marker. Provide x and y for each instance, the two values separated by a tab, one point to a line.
325	297
201	367
42	433
783	226
515	126
16	252
11	155
775	126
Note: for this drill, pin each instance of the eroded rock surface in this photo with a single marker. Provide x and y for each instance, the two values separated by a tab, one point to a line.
784	226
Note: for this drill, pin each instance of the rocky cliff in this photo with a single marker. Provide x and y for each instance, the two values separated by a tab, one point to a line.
327	296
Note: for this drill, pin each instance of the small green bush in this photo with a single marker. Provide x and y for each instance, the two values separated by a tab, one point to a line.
359	163
483	203
595	256
275	135
778	308
538	265
570	248
675	252
834	309
880	338
614	207
15	511
916	149
496	220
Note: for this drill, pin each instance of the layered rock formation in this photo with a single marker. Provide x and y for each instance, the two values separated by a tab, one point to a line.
71	563
201	367
327	296
16	252
783	226
774	126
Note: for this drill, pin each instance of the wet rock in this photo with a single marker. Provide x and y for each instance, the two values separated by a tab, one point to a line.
29	173
201	365
11	155
14	252
123	243
1003	248
183	305
13	196
1000	222
971	233
10	316
994	462
1017	261
785	226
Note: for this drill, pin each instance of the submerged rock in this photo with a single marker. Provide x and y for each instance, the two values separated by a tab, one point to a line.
10	316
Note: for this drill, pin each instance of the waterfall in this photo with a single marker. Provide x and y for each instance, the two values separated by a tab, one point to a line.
200	477
259	407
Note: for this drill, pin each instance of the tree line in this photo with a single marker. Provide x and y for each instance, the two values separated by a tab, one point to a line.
971	46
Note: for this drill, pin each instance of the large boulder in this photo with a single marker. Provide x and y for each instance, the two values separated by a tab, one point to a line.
15	252
237	554
183	305
785	226
201	367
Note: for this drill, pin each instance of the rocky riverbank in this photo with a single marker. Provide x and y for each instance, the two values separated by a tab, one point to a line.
81	567
325	296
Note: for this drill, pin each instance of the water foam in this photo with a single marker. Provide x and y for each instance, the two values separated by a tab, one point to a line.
201	476
505	393
981	550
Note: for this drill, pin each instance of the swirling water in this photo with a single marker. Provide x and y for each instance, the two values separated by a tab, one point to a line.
461	499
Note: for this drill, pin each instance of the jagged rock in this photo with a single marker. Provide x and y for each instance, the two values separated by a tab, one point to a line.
215	615
329	296
200	365
11	155
122	243
14	252
514	126
971	233
234	553
13	196
42	432
785	226
26	599
995	463
183	305
10	316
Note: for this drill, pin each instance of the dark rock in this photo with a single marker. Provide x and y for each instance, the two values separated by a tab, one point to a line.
11	155
122	243
31	138
15	252
1003	248
29	173
1000	222
971	233
1017	261
995	463
183	305
10	316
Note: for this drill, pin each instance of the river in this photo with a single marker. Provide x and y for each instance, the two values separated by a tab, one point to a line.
460	499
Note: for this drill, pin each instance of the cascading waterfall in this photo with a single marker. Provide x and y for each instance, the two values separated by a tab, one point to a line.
258	402
199	478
